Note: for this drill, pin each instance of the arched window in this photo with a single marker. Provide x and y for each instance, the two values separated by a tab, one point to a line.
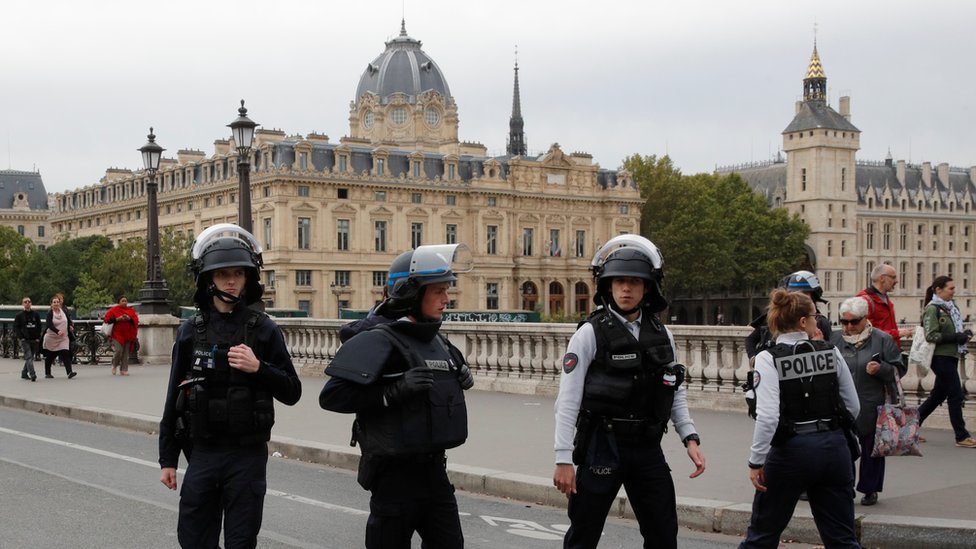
557	301
582	292
530	296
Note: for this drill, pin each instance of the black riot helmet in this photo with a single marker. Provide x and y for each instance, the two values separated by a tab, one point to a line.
804	281
221	246
629	255
413	270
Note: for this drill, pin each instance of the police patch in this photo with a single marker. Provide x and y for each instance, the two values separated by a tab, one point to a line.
755	379
569	362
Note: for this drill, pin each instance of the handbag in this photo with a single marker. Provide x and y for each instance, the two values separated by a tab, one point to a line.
922	351
107	329
896	431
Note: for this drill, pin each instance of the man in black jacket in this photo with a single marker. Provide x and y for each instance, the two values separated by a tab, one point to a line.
27	326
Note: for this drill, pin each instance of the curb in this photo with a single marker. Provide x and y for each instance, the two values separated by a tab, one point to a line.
707	515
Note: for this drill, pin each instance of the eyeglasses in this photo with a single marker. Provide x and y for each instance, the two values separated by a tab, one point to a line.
852	321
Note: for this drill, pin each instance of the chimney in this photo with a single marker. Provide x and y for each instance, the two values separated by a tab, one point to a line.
943	171
799	104
927	173
845	107
900	172
972	174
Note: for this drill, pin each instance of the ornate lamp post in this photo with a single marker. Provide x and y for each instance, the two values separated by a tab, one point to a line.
243	130
336	291
154	293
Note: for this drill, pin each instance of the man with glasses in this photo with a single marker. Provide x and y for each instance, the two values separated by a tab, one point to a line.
27	326
881	311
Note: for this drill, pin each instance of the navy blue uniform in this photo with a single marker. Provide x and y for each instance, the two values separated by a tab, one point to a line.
225	479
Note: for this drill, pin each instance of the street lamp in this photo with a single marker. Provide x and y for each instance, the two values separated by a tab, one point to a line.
243	129
336	290
154	293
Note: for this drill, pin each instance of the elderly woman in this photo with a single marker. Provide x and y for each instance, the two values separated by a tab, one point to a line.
873	359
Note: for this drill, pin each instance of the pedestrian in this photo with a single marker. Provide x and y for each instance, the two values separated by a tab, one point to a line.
125	331
943	327
405	382
619	386
805	398
881	311
229	365
27	326
58	334
873	359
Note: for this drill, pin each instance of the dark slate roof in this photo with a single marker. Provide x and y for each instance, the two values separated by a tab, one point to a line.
817	114
402	68
765	178
14	181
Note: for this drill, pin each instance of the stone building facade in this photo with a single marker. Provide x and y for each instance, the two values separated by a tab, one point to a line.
23	205
332	216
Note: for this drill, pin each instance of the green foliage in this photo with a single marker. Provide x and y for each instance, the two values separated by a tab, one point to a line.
90	295
58	268
14	253
174	254
122	270
714	232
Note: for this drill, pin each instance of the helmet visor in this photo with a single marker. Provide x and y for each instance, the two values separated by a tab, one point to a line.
644	245
441	259
222	230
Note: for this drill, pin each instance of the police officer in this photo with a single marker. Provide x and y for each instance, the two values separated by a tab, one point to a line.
404	382
619	386
806	400
229	364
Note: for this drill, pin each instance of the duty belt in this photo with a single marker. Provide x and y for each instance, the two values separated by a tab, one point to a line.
630	426
819	426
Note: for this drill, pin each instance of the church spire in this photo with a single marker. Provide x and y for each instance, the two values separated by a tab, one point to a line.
815	81
516	137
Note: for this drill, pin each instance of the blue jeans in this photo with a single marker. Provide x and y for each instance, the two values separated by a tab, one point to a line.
29	347
947	387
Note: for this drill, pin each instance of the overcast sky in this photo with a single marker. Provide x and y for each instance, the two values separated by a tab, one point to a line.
710	82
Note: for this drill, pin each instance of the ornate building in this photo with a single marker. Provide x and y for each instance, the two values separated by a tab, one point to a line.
332	216
23	205
916	217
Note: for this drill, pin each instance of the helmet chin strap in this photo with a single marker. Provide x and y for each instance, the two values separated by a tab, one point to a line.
612	303
223	296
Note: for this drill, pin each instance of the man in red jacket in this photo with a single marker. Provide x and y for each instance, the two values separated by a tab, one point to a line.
125	330
881	312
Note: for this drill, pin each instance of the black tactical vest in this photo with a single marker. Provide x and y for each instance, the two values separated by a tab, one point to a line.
809	389
630	378
220	402
424	423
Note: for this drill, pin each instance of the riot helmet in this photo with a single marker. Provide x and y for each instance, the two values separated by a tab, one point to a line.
221	246
415	269
629	255
804	281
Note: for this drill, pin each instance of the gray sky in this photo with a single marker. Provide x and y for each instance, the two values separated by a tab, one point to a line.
710	82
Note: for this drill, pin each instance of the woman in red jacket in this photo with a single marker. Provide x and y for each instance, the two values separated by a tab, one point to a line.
125	330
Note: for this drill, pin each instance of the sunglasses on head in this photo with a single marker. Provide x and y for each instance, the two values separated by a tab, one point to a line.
846	322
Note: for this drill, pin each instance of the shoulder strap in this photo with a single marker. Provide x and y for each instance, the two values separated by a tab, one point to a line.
398	344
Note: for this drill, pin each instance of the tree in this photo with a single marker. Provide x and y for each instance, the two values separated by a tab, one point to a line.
122	269
174	254
58	267
15	250
90	296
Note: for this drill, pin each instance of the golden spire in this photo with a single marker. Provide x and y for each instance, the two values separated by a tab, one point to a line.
815	70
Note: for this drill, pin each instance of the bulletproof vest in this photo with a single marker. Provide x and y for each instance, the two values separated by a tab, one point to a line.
808	384
630	378
425	423
221	402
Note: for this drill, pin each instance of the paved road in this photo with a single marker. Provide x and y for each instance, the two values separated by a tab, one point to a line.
511	437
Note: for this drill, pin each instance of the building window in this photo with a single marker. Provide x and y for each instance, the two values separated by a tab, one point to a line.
919	267
379	236
304	233
40	230
343	163
380	196
451	234
903	237
624	209
827	277
843	248
20	230
450	172
843	179
342	194
267	233
830	248
491	300
342	234
303	189
868	267
269	279
302	165
379	278
380	166
869	237
492	236
554	248
416	170
492	201
267	192
416	235
580	243
886	237
303	277
965	276
840	281
399	115
803	179
342	278
526	241
451	200
415	198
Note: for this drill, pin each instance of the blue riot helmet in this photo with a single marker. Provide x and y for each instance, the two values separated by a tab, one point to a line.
629	255
221	246
413	270
804	281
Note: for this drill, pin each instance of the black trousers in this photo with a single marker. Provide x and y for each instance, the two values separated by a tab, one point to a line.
64	355
223	482
820	464
645	475
413	495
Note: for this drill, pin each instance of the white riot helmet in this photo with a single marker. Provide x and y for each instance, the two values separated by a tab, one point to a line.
630	255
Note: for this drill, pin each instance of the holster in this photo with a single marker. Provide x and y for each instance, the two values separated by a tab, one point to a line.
369	468
585	424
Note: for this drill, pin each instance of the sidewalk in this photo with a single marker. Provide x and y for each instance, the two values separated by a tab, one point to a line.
928	501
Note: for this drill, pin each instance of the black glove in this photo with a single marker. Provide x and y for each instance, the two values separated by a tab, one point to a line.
415	380
960	337
465	378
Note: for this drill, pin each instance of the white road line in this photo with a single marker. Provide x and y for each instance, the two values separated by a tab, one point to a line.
154	465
